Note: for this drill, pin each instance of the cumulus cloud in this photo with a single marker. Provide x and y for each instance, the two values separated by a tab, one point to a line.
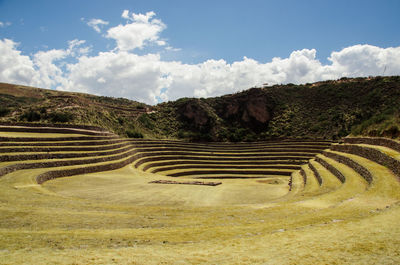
15	67
119	74
45	63
96	24
148	78
43	69
364	60
140	30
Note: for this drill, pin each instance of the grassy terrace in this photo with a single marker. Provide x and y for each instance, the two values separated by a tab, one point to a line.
96	205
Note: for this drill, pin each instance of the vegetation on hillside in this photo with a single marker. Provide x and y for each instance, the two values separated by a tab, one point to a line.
28	104
327	110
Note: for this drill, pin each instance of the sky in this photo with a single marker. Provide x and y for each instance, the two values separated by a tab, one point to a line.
154	51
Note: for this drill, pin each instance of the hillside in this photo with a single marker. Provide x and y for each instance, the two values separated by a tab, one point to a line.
329	110
29	104
325	110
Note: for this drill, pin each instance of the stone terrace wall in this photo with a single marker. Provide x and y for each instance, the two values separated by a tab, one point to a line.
371	154
54	125
331	168
395	145
316	173
351	163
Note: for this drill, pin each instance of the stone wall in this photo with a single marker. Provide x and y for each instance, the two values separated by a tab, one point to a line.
316	173
371	154
331	168
351	163
393	144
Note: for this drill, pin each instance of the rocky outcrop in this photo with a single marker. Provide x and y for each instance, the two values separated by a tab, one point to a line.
257	109
252	108
195	112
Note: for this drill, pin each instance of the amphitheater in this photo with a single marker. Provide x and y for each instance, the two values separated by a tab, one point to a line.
82	195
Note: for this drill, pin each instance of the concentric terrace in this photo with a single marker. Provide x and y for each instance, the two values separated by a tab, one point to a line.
85	192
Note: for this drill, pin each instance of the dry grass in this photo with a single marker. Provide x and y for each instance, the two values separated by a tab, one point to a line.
37	135
117	217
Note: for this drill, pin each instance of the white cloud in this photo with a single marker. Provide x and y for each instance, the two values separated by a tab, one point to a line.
118	74
364	60
169	48
96	24
42	69
143	77
48	64
217	77
161	43
125	14
75	43
49	73
15	67
4	24
140	30
75	48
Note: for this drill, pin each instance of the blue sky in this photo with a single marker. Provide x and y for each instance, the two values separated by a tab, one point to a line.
192	37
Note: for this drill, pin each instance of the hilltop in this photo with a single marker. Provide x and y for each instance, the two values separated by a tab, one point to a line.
324	110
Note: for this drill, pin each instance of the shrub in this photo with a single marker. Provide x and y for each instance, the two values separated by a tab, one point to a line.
376	119
4	111
182	134
145	120
43	110
315	127
250	137
392	132
120	120
61	117
30	116
237	134
132	133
